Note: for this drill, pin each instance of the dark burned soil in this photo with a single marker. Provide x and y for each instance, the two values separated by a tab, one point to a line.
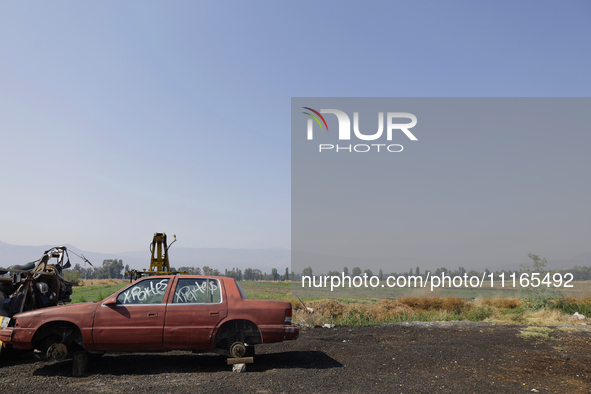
451	357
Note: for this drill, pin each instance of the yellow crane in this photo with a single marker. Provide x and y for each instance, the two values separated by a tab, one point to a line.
159	263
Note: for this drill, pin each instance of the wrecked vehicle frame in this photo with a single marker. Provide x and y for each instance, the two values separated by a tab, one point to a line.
159	313
35	285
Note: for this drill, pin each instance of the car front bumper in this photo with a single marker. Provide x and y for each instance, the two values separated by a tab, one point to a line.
5	332
19	338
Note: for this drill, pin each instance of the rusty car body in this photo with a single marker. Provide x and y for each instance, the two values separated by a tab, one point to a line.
173	312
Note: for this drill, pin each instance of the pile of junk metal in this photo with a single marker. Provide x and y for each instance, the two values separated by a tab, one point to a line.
35	285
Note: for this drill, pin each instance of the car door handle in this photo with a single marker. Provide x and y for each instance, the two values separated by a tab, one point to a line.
152	314
214	313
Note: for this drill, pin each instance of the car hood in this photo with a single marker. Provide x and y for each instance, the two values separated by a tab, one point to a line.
84	307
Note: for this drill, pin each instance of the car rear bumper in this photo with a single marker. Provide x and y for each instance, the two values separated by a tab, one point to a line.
291	332
279	333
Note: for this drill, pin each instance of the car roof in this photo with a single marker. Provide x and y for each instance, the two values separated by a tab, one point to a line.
186	276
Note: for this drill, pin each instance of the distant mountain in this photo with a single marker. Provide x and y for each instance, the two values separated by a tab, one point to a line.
322	263
216	258
584	259
263	259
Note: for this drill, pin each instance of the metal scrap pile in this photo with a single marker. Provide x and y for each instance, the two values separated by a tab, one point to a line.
35	285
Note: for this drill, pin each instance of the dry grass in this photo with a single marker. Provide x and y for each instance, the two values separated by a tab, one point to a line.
296	303
381	311
586	301
547	330
456	305
328	308
502	303
529	334
547	317
332	308
542	317
536	332
385	310
500	310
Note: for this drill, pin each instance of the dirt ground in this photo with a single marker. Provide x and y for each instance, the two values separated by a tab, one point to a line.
446	357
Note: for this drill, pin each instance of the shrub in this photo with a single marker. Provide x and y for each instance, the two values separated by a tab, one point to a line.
502	303
539	297
72	276
570	306
478	313
456	305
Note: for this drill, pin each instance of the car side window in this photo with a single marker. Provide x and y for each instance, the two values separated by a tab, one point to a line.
197	291
148	291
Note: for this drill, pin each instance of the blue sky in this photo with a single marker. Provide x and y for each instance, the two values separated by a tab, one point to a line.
120	119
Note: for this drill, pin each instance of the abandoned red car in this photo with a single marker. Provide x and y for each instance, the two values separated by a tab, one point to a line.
208	314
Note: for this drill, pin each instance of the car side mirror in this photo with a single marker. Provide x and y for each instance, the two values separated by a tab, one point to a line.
111	301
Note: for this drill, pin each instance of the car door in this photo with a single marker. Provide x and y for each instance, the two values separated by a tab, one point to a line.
136	321
196	307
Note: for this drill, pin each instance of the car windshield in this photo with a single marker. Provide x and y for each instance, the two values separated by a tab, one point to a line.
241	291
147	291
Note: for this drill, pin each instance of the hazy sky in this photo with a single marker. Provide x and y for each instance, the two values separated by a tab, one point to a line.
120	119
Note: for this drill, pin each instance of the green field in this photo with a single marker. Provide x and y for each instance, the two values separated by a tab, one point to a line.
283	291
93	293
375	307
579	289
253	290
267	290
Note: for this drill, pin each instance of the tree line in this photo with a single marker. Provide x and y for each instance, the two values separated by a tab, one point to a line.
538	264
114	269
111	269
238	274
